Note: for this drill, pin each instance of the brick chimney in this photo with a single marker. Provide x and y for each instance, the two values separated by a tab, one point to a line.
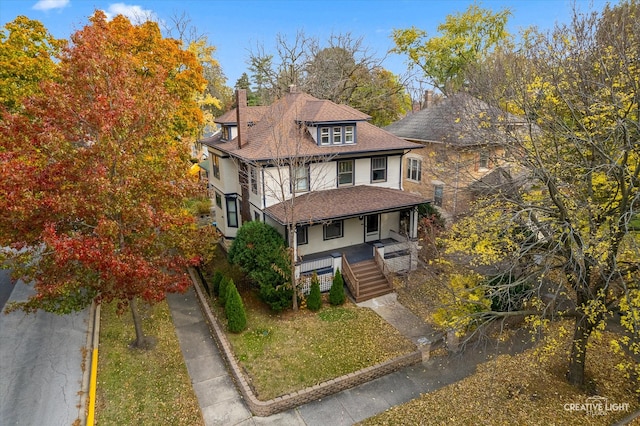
428	98
241	117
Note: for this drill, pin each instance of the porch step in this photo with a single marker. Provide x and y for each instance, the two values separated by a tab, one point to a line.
372	282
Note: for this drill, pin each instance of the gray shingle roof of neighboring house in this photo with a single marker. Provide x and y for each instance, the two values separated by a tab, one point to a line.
339	203
280	132
459	120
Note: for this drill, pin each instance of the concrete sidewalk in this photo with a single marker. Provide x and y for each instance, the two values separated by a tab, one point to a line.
221	403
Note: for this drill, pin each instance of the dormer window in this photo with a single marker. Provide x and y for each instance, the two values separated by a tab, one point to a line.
324	136
225	133
348	134
336	135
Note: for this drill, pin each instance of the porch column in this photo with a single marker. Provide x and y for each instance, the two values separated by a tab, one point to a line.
337	261
413	225
294	244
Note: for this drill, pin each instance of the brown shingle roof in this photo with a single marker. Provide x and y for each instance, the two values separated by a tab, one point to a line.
254	114
332	204
279	134
319	111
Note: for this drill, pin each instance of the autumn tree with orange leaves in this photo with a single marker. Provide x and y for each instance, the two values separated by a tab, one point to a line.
94	172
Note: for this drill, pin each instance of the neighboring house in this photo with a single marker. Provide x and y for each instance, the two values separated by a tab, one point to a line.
462	153
328	180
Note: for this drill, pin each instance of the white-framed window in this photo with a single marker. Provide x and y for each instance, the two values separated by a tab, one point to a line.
414	169
226	133
232	213
215	162
302	234
253	177
300	178
438	193
333	230
483	162
337	135
379	169
324	136
348	134
218	200
345	173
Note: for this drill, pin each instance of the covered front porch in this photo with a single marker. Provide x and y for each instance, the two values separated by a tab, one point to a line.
340	227
367	268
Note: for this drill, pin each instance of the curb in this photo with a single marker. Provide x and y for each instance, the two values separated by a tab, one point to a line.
93	341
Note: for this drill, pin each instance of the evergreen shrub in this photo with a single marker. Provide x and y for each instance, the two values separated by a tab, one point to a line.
234	309
222	296
314	301
336	294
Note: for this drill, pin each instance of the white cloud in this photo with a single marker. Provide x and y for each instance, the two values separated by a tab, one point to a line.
50	4
136	14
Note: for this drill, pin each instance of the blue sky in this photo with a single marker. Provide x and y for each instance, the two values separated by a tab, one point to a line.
235	26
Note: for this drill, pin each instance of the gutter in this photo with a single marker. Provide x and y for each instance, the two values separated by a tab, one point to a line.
264	192
350	216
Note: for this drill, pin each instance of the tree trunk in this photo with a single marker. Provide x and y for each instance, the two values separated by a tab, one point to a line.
292	265
577	358
141	341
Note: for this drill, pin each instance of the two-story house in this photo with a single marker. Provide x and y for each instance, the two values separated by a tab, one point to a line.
462	153
328	180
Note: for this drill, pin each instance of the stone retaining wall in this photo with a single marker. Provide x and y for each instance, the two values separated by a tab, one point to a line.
295	399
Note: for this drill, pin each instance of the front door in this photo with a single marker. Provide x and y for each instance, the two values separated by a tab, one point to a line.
372	227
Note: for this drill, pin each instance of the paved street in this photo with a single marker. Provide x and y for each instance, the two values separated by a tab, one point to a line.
40	361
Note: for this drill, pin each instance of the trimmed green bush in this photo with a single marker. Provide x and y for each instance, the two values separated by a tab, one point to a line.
234	308
260	252
278	298
314	301
218	276
222	296
336	294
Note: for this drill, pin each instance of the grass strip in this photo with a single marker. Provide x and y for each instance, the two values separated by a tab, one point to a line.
138	387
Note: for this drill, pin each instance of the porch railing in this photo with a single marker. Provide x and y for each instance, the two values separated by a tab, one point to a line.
352	282
397	236
314	265
395	247
325	281
383	266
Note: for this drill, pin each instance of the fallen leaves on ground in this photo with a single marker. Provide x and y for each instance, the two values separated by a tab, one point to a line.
137	387
522	389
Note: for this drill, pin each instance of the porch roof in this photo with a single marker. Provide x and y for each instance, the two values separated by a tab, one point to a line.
341	203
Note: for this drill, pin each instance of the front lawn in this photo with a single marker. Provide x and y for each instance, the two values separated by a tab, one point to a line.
283	353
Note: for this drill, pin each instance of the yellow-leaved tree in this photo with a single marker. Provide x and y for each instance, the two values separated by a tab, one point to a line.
26	59
565	229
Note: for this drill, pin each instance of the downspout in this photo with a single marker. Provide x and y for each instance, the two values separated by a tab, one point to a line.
264	192
401	166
